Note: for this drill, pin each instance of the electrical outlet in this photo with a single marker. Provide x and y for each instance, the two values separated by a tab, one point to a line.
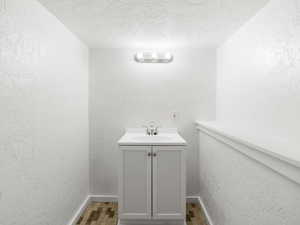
174	115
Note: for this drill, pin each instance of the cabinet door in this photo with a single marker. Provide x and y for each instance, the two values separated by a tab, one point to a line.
168	182
135	182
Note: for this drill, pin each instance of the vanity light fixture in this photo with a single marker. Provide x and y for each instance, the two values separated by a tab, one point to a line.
153	57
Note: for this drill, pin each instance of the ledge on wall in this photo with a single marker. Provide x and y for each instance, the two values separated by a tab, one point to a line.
283	158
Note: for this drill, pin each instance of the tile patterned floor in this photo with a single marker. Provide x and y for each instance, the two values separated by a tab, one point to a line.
106	213
195	215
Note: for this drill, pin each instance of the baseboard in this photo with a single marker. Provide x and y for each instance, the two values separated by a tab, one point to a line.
87	201
103	198
207	216
114	198
80	211
192	199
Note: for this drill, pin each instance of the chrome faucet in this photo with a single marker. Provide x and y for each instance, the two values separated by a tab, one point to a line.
147	130
151	129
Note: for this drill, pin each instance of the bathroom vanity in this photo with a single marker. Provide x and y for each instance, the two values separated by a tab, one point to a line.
152	178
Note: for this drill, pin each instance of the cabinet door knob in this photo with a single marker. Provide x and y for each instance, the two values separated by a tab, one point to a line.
149	154
154	154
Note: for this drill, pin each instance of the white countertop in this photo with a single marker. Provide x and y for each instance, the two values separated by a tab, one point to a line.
165	136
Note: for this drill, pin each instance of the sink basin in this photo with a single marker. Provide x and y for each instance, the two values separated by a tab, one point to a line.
166	136
152	138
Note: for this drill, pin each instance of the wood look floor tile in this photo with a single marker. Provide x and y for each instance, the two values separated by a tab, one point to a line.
106	213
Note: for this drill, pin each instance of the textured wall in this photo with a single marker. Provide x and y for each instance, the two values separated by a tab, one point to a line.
238	190
258	71
258	90
44	117
124	94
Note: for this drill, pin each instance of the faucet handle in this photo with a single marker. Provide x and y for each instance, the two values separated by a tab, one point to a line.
147	129
156	130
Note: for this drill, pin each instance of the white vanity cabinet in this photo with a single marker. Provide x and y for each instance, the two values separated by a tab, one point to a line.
135	182
152	183
168	182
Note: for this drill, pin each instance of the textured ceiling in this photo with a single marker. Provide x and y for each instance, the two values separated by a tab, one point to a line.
153	23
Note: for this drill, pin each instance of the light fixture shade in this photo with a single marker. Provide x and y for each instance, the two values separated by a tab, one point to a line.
153	57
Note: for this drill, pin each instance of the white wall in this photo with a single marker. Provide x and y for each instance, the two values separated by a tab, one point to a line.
258	91
238	190
125	94
258	71
44	117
